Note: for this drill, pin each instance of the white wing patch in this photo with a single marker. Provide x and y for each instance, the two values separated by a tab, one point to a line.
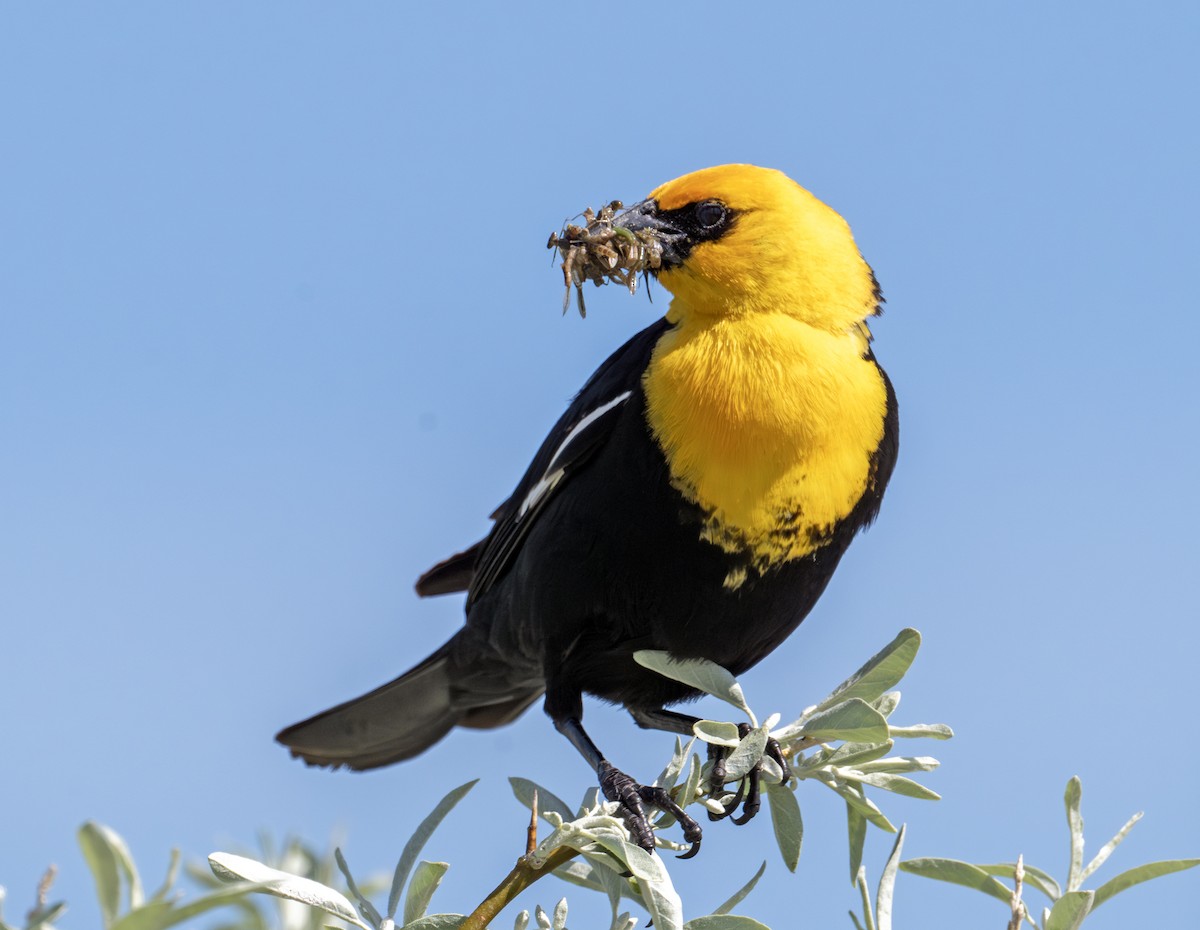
556	469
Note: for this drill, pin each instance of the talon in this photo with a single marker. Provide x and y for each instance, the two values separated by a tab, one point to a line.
695	848
775	751
752	797
619	787
732	805
749	788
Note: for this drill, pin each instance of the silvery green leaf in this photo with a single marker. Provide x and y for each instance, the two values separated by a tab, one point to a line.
860	882
106	875
1069	911
1107	849
426	878
365	907
691	787
959	873
417	841
740	895
724	922
749	750
856	825
624	922
897	784
169	881
887	703
791	731
560	915
887	884
229	867
612	884
898	764
438	922
921	731
109	858
857	924
1072	798
661	900
879	672
158	915
1143	873
125	861
698	673
523	789
864	804
771	722
771	772
670	774
581	873
522	921
1033	877
643	865
853	720
847	754
152	916
539	915
717	732
591	797
787	823
44	915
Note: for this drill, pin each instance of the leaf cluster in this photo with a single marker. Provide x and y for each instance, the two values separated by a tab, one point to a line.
844	742
1070	902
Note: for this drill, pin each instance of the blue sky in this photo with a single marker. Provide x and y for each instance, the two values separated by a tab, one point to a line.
278	331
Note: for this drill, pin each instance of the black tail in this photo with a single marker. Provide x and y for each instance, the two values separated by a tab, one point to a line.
399	720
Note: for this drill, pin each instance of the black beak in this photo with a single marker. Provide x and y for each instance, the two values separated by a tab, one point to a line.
643	217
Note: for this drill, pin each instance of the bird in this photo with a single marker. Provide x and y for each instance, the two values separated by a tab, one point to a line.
695	497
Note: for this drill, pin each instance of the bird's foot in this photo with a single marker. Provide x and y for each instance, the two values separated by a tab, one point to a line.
619	787
748	792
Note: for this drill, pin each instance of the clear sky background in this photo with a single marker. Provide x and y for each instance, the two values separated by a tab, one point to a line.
278	330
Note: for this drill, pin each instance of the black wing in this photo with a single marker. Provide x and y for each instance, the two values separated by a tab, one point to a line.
579	432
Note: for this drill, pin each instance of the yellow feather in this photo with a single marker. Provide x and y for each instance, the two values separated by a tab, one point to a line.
761	397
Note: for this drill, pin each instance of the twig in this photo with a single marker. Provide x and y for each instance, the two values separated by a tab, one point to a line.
531	834
43	892
521	877
1018	906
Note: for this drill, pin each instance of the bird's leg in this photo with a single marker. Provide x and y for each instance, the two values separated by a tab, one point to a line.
659	718
619	787
748	788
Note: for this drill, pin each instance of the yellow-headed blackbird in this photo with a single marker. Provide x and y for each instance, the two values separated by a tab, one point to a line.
695	497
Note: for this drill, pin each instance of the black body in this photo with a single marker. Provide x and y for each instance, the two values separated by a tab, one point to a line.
572	581
614	563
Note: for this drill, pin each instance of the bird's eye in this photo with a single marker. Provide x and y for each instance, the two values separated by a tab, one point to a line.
710	213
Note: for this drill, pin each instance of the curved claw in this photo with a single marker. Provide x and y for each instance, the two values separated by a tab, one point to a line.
749	788
732	805
692	850
619	787
775	751
752	796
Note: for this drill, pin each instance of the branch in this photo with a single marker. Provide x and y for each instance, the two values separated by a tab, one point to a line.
521	877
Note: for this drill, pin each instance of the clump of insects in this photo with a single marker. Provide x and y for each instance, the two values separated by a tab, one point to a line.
601	251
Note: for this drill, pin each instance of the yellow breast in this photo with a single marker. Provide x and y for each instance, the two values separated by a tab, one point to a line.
769	425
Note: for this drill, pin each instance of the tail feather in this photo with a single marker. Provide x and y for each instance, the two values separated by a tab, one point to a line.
392	723
408	715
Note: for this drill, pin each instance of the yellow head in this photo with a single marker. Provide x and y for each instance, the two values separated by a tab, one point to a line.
741	239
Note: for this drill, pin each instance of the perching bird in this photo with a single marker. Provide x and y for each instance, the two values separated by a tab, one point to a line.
695	497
